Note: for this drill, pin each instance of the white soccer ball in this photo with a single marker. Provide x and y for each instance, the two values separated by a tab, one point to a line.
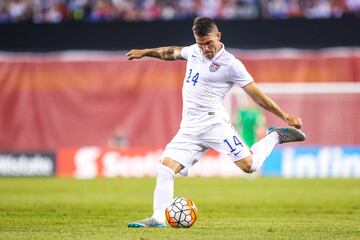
182	213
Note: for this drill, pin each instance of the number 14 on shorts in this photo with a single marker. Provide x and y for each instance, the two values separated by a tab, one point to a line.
232	144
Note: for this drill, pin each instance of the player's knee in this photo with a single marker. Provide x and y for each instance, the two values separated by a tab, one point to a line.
247	168
170	163
245	164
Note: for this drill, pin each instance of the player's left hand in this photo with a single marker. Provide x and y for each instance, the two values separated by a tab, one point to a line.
135	54
294	121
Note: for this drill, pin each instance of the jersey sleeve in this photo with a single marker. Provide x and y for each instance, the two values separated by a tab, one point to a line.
238	74
186	51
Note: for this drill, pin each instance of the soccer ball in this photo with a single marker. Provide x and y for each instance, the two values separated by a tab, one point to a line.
182	213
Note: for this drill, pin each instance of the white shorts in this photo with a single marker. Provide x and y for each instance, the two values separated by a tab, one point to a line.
187	147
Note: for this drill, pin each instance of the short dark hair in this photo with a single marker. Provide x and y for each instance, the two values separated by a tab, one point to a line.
203	25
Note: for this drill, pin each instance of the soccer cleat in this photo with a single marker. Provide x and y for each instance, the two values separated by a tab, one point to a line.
287	134
147	223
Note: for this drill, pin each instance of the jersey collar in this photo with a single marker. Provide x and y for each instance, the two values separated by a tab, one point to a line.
219	53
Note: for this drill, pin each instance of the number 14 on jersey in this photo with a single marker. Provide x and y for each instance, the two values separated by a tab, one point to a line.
193	77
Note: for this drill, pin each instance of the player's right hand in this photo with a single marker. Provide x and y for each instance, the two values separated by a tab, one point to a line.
135	54
294	121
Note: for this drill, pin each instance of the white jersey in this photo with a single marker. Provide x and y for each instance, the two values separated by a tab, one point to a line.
206	84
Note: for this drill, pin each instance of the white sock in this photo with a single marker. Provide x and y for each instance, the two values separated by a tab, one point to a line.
163	193
262	149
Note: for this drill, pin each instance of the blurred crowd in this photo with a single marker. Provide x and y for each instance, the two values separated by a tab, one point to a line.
54	11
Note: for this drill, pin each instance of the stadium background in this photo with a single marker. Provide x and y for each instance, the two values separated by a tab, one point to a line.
72	105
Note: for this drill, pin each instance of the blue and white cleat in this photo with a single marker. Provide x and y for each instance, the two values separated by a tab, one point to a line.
147	223
287	134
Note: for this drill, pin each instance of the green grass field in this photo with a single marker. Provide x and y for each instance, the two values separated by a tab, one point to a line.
235	208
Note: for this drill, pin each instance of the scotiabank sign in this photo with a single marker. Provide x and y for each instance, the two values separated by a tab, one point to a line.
27	164
90	162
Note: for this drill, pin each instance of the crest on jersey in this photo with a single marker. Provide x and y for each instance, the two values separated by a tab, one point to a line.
214	67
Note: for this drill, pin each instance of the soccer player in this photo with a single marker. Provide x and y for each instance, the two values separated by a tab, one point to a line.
211	72
250	121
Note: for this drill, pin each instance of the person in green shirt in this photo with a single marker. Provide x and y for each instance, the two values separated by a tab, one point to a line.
250	122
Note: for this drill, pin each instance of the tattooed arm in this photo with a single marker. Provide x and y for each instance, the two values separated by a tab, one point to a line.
164	53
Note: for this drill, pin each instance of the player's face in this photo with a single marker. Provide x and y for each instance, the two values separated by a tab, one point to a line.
209	44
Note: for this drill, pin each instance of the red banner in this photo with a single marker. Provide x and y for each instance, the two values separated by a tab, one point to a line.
55	101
